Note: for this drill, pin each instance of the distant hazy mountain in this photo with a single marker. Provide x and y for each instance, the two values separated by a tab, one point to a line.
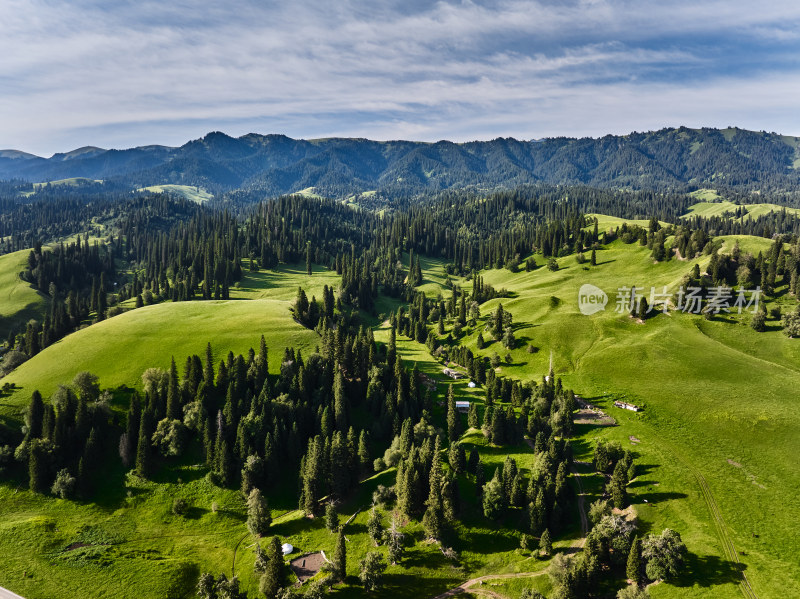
275	164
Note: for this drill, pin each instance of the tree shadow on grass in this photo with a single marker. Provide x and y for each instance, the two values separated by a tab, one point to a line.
293	527
645	469
661	497
708	571
402	586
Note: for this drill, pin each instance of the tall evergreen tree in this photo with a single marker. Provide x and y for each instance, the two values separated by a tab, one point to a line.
340	556
634	567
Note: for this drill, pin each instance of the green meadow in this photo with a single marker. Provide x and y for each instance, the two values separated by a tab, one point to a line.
723	207
119	349
188	192
19	302
718	431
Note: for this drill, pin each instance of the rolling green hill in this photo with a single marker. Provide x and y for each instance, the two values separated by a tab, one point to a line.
189	192
708	407
717	432
716	206
19	302
119	349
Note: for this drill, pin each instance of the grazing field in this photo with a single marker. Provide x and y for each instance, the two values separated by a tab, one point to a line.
119	349
71	182
19	302
188	192
718	397
281	283
606	222
721	208
718	432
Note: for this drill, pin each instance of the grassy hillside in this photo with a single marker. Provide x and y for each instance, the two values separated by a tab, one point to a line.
718	431
189	192
718	397
606	222
19	302
711	209
118	350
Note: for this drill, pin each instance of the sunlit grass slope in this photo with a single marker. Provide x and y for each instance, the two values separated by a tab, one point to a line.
119	349
19	302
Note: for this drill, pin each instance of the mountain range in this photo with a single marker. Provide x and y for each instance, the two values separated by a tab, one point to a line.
675	159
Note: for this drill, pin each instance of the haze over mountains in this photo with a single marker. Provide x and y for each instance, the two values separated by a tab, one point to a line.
669	159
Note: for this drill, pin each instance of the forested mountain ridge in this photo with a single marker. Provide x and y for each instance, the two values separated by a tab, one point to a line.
670	159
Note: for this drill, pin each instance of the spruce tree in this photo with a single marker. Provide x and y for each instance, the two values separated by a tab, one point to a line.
634	568
331	517
374	526
173	394
433	519
38	468
144	457
452	415
258	515
545	544
364	460
340	557
472	415
272	578
35	416
339	401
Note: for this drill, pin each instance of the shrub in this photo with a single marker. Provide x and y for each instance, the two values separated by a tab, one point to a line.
179	506
64	485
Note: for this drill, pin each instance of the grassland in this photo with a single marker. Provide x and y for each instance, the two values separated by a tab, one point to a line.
19	302
119	349
188	192
723	207
719	407
605	222
718	400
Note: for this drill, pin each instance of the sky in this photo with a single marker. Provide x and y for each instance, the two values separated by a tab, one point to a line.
126	73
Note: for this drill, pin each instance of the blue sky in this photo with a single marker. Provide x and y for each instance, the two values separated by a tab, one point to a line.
119	74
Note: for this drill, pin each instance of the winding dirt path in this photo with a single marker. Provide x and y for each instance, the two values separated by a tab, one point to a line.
467	586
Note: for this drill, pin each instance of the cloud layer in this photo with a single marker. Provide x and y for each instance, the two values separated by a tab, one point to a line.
129	73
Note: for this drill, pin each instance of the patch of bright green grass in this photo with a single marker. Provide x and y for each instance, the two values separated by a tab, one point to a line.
189	192
281	282
713	392
19	302
709	209
119	349
606	222
71	182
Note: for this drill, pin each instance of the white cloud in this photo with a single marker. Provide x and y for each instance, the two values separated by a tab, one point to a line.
133	73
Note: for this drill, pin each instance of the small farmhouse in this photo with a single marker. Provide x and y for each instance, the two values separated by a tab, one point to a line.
453	374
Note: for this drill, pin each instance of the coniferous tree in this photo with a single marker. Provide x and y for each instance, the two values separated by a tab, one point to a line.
38	467
374	526
472	415
258	515
365	462
452	415
545	544
35	416
340	557
144	457
173	397
331	517
634	567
